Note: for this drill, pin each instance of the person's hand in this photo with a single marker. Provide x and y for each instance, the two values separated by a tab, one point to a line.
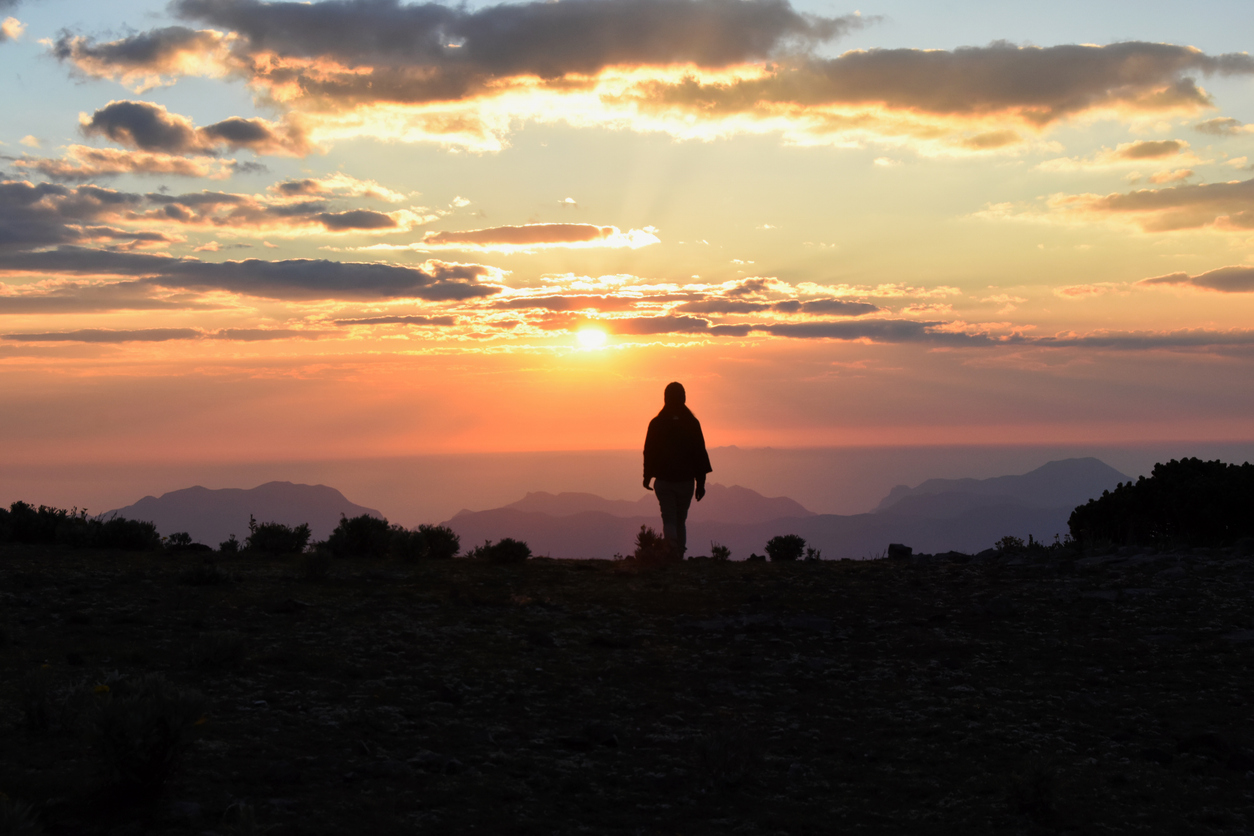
647	480
700	491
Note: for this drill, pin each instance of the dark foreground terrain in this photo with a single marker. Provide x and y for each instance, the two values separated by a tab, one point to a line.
1101	695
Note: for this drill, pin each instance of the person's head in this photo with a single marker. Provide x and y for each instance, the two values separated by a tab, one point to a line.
674	394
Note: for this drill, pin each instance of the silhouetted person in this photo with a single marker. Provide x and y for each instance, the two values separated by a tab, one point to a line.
674	455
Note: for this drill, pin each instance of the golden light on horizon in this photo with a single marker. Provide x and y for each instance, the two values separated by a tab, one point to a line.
591	337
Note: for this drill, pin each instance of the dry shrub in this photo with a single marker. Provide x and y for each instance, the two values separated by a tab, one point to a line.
140	730
652	551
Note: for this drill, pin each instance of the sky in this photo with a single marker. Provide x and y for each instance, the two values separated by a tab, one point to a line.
242	231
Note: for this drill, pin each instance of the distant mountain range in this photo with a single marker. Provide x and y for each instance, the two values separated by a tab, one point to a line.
1061	484
732	504
937	515
211	516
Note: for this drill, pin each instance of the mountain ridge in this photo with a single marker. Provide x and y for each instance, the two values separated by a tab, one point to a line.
211	515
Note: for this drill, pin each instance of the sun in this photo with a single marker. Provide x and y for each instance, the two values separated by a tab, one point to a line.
591	337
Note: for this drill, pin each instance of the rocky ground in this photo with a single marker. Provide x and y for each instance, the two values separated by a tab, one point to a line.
1107	694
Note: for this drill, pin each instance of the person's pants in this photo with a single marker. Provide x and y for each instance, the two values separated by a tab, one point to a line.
674	499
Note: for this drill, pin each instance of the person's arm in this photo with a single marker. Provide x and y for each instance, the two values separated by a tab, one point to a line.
650	443
703	462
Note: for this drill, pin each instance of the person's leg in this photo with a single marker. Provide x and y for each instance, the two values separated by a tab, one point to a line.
683	499
668	503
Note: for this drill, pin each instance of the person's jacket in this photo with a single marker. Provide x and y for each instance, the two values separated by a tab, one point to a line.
674	448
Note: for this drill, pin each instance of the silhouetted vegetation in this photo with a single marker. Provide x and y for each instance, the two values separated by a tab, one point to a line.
140	729
439	542
363	536
23	523
506	550
371	537
720	552
786	547
652	550
1188	501
275	538
18	818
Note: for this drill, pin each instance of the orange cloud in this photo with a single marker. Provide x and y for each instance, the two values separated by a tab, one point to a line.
1227	207
82	163
691	68
530	237
1235	279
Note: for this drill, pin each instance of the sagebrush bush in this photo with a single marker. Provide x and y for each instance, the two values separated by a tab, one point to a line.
719	551
204	574
785	547
140	730
217	651
727	759
652	549
1188	501
35	699
363	536
18	818
439	541
507	550
275	538
23	523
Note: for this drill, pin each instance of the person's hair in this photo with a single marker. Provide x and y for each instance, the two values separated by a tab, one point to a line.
674	393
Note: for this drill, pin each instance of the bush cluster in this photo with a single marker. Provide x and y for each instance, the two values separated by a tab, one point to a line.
1188	501
367	536
507	550
23	523
275	538
653	550
786	547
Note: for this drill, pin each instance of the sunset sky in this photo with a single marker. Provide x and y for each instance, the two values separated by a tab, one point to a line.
240	230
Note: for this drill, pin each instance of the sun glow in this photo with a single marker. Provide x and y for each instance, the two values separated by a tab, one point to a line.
591	337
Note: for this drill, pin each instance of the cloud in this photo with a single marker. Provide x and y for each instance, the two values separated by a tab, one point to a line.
154	335
10	28
1177	176
56	214
838	307
571	303
1085	291
1235	279
341	184
146	126
693	68
96	335
1219	206
291	279
876	330
81	163
829	307
148	59
1222	126
1128	153
80	297
539	236
718	305
250	335
1150	149
547	40
441	321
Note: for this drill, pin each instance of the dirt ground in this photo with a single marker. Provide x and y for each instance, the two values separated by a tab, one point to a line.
1014	695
